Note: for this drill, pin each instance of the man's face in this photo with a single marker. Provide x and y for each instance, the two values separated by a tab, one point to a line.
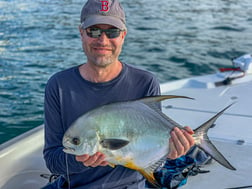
102	51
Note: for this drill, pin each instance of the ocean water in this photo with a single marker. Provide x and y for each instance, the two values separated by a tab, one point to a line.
174	39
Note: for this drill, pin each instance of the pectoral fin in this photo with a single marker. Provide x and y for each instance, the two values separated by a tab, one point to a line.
113	143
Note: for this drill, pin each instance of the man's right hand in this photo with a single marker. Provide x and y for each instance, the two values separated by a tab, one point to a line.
98	159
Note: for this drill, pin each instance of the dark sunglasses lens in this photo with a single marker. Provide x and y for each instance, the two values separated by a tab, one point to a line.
93	32
96	32
112	33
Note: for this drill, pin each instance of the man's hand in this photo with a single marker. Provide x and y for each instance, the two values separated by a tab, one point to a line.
98	159
180	142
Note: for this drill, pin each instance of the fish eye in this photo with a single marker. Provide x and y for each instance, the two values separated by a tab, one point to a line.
76	141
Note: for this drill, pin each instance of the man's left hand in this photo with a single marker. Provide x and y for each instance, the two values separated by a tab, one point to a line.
180	142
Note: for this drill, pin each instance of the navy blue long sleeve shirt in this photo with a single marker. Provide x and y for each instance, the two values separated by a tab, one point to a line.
68	96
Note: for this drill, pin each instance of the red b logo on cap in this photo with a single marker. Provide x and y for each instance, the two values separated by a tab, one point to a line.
104	6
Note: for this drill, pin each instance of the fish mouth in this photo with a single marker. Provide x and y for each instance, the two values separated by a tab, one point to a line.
69	150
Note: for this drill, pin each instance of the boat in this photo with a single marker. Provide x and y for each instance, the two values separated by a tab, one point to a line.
23	167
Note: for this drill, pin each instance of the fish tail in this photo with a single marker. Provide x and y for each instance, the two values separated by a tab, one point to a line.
203	141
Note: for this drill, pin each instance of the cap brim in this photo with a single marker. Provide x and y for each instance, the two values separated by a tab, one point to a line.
110	20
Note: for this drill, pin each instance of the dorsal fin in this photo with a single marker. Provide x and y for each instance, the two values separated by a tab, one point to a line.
154	103
154	100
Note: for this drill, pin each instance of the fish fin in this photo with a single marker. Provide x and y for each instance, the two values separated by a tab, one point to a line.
206	145
112	165
113	143
154	103
149	177
148	172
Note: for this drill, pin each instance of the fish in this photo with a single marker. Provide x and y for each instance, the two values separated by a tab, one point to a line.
134	134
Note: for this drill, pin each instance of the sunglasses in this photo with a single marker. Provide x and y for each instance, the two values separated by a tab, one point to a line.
97	32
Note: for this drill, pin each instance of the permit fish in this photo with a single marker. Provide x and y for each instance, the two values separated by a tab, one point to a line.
134	134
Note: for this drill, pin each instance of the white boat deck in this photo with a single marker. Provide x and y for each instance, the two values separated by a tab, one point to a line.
232	134
21	159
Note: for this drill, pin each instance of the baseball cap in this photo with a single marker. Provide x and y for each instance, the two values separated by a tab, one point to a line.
103	12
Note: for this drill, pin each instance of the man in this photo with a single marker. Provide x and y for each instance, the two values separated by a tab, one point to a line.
102	79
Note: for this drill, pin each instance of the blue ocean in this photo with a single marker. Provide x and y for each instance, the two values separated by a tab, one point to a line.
174	39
